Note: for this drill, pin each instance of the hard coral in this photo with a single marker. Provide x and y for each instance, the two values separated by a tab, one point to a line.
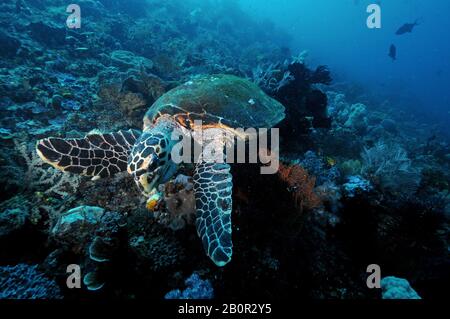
149	85
156	251
321	169
12	220
36	176
8	45
26	282
126	60
356	185
126	101
197	288
301	185
179	202
397	288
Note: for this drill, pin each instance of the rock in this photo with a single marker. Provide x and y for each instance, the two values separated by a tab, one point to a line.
77	226
6	134
389	125
70	105
92	233
8	45
350	167
126	60
47	34
149	85
57	101
33	107
14	214
11	220
156	251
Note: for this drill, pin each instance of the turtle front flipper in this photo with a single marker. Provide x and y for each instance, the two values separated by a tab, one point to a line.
213	188
96	155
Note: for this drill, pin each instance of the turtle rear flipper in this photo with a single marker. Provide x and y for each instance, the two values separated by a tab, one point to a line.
213	188
96	155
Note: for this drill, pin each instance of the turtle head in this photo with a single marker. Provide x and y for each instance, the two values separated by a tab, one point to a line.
150	162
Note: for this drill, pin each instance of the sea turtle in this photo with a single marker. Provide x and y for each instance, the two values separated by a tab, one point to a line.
222	102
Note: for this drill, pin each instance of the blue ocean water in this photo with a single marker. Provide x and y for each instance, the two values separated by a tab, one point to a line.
335	33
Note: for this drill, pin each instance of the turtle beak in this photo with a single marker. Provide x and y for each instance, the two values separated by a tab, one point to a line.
150	181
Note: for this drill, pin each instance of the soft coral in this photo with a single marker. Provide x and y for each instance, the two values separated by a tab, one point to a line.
301	184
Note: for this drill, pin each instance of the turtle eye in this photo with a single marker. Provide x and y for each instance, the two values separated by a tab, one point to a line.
154	162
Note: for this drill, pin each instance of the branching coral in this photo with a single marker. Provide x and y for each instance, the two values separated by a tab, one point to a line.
301	185
26	282
49	180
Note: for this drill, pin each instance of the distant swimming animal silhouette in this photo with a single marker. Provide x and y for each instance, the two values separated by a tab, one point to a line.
393	52
407	28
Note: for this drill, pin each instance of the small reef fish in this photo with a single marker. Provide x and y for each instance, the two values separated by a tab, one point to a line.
330	161
393	52
407	28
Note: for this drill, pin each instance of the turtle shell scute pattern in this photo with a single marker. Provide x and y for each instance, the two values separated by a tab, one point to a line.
224	100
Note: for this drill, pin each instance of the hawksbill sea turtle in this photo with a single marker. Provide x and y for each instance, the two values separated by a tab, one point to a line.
221	102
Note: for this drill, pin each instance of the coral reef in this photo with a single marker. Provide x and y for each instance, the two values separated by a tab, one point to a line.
179	203
91	234
301	185
389	166
359	180
196	288
356	185
294	85
26	282
316	165
157	250
397	288
12	219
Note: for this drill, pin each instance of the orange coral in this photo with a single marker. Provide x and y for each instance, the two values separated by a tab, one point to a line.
301	185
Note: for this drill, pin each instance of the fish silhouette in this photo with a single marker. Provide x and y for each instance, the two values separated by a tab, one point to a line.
407	28
393	52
